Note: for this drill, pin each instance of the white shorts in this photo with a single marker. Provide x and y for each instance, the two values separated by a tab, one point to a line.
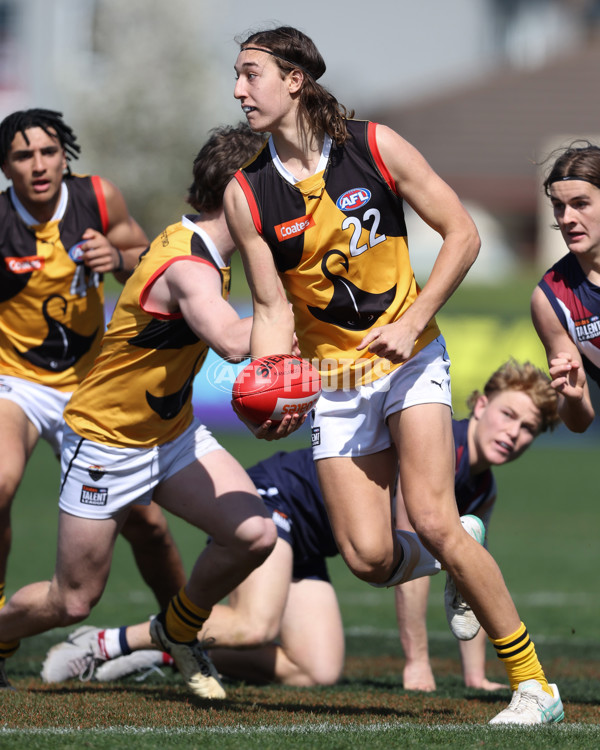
43	406
354	422
97	480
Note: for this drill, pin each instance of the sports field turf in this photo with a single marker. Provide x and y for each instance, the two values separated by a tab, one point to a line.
544	535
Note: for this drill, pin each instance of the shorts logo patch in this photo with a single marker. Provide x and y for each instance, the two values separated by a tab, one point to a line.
281	520
315	436
93	495
96	472
4	387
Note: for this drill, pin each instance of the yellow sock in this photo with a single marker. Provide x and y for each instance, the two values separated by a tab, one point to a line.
8	648
518	654
2	595
184	619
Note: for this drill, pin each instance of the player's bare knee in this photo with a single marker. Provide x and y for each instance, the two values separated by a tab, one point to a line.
142	528
371	564
72	609
324	674
437	535
258	536
371	572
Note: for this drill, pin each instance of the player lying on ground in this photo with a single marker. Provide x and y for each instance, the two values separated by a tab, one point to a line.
283	624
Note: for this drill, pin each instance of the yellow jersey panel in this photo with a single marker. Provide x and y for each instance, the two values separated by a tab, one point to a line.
51	304
139	391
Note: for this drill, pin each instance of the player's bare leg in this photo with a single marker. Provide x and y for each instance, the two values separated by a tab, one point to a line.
411	611
83	562
423	435
358	497
18	438
155	552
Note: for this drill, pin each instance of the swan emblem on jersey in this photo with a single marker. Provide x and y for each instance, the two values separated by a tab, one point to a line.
169	334
169	406
350	307
62	347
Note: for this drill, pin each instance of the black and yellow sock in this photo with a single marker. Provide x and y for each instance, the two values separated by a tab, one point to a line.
8	648
2	595
520	660
183	618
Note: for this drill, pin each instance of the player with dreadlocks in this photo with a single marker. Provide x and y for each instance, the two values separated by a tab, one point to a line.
59	233
49	121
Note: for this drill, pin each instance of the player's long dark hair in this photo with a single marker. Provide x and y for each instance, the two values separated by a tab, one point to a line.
291	49
225	151
48	120
578	161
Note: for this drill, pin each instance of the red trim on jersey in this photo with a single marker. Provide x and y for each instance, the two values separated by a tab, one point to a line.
100	197
159	272
372	141
459	454
253	206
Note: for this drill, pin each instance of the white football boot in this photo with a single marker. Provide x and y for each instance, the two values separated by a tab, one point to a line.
78	656
531	704
144	663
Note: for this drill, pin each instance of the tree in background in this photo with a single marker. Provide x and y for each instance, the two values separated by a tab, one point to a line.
149	101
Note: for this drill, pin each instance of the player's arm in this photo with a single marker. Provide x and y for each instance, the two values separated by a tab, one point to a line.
117	251
194	288
564	363
438	205
273	327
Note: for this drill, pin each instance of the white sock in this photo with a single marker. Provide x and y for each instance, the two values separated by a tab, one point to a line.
417	561
109	642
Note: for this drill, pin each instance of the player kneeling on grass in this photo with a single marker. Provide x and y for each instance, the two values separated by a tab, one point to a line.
131	434
282	624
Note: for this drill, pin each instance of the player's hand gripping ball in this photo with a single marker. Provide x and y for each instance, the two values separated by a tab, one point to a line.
271	387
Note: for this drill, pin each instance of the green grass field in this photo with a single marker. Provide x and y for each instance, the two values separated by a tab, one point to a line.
544	535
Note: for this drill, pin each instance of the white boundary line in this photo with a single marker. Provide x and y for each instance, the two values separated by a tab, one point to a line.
299	729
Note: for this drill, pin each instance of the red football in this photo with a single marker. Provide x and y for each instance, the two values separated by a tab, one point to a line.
271	387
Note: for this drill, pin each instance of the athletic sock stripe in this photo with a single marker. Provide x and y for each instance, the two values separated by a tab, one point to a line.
514	643
125	650
8	648
515	651
185	612
187	617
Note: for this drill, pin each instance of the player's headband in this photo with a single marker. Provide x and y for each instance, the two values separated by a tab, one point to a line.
281	57
572	177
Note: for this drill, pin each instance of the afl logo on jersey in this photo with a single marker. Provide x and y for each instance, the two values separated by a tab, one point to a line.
352	199
76	253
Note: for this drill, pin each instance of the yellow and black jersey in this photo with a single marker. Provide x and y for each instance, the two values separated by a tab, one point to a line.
51	305
339	243
138	393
